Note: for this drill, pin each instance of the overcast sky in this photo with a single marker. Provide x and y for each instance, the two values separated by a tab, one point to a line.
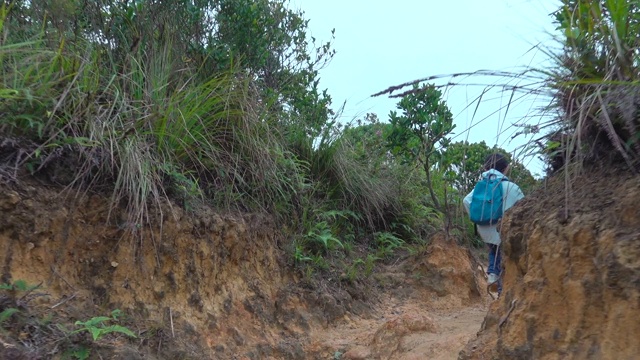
384	43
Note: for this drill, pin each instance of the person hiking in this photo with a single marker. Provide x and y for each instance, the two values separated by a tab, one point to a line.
495	168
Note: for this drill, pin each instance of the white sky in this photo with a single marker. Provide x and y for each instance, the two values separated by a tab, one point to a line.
384	43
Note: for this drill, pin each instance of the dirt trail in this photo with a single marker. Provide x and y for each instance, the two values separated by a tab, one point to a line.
428	307
406	329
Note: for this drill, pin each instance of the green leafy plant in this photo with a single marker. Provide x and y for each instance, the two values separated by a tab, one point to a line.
18	285
321	234
351	271
299	254
387	243
361	267
6	314
79	352
369	264
97	327
324	232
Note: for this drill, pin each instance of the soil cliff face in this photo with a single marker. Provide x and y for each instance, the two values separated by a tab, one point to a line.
572	274
214	285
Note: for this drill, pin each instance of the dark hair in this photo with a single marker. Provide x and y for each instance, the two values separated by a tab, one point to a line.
496	161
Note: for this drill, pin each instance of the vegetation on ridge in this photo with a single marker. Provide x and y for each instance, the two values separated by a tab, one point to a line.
218	102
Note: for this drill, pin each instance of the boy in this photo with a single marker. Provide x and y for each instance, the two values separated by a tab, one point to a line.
496	165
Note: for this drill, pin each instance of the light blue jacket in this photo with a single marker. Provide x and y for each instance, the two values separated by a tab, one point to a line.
512	193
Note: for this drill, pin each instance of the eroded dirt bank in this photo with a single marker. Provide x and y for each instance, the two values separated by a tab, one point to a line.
572	282
205	286
210	283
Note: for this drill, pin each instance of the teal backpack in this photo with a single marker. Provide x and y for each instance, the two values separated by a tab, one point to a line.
486	201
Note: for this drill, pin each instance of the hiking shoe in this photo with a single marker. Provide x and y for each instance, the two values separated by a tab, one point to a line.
492	278
492	282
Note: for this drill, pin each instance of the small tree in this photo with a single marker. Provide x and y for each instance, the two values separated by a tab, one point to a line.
421	131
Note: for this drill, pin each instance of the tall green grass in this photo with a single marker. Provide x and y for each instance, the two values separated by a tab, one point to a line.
142	126
151	123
